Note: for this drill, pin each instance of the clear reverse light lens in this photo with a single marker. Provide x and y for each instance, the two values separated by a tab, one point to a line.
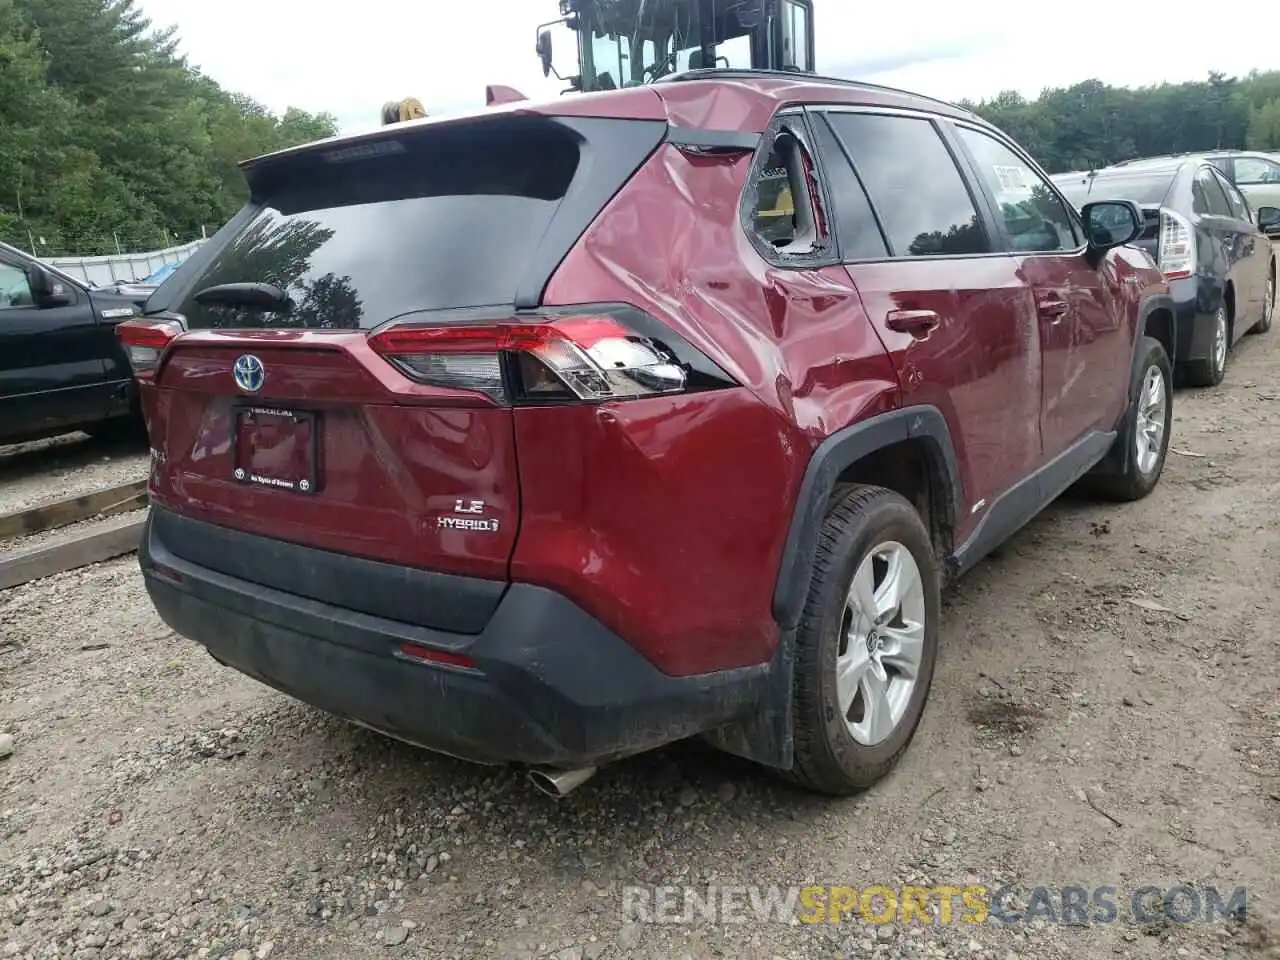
1177	254
480	372
612	367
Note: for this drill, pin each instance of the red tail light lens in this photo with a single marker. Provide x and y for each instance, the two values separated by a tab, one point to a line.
144	341
586	357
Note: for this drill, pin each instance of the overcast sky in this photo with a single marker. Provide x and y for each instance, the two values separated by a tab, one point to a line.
348	59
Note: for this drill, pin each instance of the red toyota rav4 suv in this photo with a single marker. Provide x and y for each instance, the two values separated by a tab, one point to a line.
551	434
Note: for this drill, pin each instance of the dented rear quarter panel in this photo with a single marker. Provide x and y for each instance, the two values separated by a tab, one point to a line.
718	492
1137	285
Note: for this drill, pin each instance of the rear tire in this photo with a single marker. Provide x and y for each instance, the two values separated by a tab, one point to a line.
1210	371
1268	304
1137	459
851	728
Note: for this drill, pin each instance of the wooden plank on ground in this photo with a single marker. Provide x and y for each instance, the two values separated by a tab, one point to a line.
111	538
108	501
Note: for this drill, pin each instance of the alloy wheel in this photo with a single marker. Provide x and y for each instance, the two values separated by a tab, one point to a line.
1153	404
1220	339
881	644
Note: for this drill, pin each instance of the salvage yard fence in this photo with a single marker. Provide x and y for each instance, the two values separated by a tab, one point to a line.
125	267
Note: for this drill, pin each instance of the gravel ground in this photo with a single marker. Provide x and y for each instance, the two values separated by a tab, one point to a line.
71	465
1105	712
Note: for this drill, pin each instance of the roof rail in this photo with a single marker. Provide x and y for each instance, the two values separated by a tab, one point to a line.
759	73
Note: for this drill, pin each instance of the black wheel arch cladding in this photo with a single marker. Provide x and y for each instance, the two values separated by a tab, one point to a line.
834	455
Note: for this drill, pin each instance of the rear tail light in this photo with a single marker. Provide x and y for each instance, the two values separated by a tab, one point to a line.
145	341
1177	251
583	357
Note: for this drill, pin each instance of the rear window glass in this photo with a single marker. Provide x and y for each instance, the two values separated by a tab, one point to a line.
1146	189
429	219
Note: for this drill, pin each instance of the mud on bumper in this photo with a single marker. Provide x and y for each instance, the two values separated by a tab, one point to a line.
550	684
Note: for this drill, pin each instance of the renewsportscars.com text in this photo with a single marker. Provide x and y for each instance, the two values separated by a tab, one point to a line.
1072	904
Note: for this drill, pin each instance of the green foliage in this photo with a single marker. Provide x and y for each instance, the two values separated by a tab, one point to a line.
107	135
1264	126
1092	124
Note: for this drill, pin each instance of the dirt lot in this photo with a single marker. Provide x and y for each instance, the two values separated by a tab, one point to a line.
159	806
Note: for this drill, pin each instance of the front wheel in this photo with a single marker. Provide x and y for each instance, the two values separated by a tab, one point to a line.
1137	459
866	644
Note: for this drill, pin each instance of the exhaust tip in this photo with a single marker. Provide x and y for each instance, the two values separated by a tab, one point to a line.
560	783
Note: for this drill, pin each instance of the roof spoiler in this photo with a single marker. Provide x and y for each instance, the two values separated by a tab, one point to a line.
496	93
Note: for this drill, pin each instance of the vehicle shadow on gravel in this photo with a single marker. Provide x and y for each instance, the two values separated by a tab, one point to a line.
683	775
65	453
633	822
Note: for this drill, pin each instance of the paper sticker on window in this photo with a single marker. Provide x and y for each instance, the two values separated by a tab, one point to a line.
1012	179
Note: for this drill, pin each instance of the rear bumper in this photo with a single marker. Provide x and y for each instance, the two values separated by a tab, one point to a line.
550	684
1195	319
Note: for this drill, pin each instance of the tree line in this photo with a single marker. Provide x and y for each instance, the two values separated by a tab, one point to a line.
110	140
1091	124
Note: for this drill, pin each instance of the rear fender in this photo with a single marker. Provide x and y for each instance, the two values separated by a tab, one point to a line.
835	454
766	736
1152	304
1113	462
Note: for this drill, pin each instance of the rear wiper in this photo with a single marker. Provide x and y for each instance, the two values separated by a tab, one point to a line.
265	295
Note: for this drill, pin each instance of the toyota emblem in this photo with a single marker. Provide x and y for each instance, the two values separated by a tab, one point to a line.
249	373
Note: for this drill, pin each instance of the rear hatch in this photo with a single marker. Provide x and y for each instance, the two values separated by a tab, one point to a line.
278	417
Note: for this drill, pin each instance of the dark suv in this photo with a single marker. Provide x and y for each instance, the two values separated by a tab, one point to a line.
1216	256
531	436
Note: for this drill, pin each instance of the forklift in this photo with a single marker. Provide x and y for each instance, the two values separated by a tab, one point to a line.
628	43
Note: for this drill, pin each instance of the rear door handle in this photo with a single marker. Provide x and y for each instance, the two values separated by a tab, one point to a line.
1053	308
918	323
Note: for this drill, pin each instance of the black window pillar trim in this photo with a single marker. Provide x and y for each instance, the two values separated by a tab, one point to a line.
984	200
701	140
611	153
990	221
823	116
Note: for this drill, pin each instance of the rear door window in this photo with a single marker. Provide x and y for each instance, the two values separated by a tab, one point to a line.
914	184
1034	217
1214	197
1199	202
1235	200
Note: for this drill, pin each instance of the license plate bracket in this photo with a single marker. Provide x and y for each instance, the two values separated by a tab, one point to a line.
276	448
